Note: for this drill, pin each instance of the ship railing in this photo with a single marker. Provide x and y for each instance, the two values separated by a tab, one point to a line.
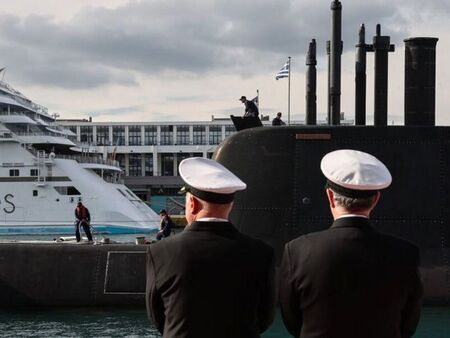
82	158
33	133
94	159
22	99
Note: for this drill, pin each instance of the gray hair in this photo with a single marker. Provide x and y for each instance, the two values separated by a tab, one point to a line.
352	203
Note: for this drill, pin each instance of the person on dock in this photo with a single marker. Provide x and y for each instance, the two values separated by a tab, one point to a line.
83	218
351	280
277	121
210	280
251	109
166	225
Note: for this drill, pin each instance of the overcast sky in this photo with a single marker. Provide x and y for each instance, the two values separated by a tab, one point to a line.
163	60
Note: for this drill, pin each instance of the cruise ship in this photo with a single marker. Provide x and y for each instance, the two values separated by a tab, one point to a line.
45	171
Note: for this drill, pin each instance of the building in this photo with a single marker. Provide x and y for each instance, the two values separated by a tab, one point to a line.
149	152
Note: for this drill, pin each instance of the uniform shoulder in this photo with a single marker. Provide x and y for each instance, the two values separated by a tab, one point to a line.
255	243
403	245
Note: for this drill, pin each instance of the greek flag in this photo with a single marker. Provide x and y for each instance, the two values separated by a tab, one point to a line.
284	72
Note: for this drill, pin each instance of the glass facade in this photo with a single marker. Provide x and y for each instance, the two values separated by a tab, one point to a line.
199	134
183	134
166	135
167	164
181	157
121	159
229	129
86	134
134	135
148	164
103	136
118	136
215	134
150	135
134	165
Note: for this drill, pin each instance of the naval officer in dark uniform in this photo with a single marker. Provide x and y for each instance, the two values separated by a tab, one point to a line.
351	280
210	280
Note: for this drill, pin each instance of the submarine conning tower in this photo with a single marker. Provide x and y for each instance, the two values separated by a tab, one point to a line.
420	81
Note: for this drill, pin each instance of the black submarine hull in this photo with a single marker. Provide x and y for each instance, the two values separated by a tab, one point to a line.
285	195
47	275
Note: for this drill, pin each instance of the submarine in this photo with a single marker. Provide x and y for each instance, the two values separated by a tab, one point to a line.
285	196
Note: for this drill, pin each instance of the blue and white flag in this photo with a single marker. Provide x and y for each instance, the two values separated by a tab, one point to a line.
284	72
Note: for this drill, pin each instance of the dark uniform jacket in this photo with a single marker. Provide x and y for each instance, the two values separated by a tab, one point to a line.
251	109
350	281
210	281
166	225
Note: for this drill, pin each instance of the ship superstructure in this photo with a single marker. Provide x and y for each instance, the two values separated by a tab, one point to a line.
44	172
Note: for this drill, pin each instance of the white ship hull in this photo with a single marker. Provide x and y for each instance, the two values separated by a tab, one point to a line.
42	179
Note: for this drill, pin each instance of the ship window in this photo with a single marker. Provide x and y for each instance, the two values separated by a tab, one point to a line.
13	172
121	192
34	172
131	194
67	190
35	192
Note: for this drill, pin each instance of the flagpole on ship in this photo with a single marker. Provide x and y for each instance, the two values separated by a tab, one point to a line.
289	92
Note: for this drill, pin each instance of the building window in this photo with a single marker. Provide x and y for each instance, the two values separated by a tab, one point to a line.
73	129
209	155
181	157
166	135
134	135
150	135
86	134
199	134
229	130
183	134
13	172
166	164
103	136
215	134
134	165
121	159
35	193
34	172
118	135
148	164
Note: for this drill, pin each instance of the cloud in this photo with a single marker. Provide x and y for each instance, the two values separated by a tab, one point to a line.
171	39
116	111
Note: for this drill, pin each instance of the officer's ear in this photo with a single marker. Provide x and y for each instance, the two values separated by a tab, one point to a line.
330	195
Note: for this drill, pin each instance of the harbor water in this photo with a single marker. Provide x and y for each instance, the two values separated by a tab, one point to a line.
133	322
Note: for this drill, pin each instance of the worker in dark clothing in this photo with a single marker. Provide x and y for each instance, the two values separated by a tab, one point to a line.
277	121
251	109
83	218
166	225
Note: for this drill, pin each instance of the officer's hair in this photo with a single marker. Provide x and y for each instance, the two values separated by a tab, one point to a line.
353	204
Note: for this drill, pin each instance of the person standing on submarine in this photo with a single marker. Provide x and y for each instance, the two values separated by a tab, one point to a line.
83	218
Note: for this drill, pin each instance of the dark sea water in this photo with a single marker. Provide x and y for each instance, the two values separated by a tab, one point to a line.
133	323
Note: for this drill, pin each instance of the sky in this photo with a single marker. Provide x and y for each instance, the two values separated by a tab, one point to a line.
167	60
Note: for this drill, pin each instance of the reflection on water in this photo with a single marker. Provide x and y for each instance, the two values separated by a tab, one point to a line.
133	323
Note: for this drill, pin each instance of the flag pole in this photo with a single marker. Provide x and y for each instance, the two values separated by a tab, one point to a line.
259	101
289	92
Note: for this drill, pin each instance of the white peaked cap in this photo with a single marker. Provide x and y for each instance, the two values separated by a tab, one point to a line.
208	179
355	170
